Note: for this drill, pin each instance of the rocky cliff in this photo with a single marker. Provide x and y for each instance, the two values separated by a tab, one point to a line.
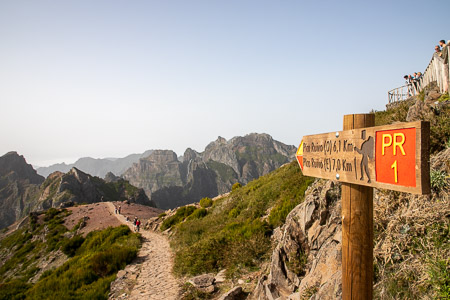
170	182
306	262
19	188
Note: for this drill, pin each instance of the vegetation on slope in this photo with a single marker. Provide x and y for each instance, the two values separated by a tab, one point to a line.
234	233
412	232
86	275
439	122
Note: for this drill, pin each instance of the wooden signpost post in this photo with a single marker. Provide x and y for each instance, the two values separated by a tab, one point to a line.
394	157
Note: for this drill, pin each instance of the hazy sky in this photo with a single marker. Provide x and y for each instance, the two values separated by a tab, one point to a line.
110	78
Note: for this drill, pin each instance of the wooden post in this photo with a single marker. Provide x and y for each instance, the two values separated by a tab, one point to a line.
357	229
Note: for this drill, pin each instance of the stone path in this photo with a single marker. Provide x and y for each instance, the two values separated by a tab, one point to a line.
149	276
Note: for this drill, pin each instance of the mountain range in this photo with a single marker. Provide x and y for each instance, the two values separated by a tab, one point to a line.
158	178
23	191
170	182
95	166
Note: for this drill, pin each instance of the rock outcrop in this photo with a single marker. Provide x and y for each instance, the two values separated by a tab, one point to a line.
79	187
171	183
19	188
307	259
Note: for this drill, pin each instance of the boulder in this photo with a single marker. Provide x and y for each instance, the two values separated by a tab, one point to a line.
220	277
204	283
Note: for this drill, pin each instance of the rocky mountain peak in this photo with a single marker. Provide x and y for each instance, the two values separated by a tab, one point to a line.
190	154
12	162
79	175
162	156
110	177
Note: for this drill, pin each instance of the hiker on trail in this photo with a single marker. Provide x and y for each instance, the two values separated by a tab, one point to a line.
119	209
138	224
128	219
115	210
134	222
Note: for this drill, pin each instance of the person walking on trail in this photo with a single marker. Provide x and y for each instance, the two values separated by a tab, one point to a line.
138	224
134	223
115	210
119	209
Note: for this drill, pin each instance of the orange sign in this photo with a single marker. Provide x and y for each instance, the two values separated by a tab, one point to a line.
395	156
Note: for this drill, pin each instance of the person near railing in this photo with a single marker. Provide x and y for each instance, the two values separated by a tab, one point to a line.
437	50
408	84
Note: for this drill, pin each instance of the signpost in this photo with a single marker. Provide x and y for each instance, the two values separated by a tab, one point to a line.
394	157
391	157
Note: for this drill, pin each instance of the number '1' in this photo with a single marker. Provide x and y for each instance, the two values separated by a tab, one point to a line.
394	166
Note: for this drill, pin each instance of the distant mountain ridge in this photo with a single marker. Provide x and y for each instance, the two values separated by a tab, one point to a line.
96	166
23	191
171	183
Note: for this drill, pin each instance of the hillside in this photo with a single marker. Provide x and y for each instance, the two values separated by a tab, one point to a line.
19	188
276	241
45	260
171	183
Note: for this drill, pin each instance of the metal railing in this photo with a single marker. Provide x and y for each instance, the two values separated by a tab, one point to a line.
404	92
436	71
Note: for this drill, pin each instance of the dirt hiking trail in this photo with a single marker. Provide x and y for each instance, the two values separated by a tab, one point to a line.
149	275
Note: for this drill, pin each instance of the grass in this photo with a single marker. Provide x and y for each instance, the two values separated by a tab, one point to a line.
412	261
181	214
89	273
235	232
90	267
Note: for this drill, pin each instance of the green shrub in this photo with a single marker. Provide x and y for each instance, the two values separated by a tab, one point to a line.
444	97
181	214
198	214
72	245
50	214
234	213
439	272
206	202
439	180
236	186
14	290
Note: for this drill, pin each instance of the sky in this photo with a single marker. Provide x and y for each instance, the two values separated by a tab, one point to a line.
109	78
